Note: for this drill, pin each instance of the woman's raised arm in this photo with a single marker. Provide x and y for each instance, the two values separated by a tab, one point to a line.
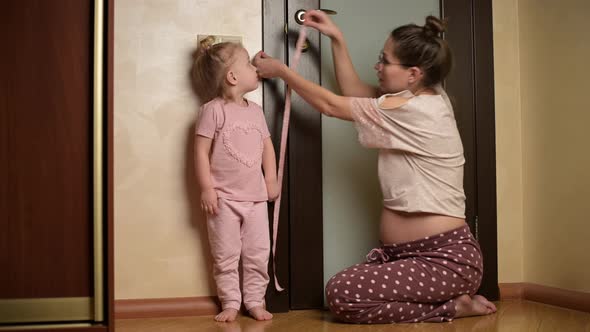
322	99
348	80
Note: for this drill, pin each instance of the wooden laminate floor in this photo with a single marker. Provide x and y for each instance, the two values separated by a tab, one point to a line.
512	316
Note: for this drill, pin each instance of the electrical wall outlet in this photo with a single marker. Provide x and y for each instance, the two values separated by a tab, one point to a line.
220	38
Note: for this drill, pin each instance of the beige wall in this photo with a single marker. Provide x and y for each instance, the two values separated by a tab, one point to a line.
160	240
508	141
541	67
554	73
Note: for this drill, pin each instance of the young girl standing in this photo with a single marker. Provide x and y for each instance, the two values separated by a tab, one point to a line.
232	143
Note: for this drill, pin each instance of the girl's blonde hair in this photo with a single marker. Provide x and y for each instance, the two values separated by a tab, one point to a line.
210	66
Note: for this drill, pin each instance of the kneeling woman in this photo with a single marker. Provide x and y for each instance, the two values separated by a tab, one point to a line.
429	266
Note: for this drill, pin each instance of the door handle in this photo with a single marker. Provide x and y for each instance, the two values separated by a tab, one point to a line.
299	14
299	19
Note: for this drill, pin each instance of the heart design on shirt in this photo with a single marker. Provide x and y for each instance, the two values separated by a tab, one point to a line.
244	136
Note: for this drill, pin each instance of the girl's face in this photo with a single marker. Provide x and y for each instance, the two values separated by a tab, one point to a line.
393	75
244	71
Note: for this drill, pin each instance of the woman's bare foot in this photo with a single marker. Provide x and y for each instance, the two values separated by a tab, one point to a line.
227	315
259	313
485	302
477	305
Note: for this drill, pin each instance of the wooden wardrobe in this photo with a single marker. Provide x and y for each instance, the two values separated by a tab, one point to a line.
56	211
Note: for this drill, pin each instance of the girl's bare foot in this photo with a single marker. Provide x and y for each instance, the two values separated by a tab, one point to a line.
477	305
227	315
259	313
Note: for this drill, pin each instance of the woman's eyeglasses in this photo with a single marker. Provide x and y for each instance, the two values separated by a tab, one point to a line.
382	61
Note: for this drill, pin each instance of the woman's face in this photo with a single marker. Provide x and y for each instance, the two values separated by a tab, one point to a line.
393	75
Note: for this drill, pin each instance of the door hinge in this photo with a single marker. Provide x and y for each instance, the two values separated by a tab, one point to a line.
476	228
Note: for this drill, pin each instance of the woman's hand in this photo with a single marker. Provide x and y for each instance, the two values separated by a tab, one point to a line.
320	21
267	66
273	189
209	201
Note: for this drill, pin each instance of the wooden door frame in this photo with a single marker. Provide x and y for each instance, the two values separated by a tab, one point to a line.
470	35
300	240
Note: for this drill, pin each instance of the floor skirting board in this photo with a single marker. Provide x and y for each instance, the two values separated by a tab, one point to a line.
169	307
209	305
544	294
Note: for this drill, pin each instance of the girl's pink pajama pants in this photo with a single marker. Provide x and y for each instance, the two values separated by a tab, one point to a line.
240	231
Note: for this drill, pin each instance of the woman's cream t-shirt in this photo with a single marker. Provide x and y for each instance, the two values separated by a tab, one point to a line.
420	152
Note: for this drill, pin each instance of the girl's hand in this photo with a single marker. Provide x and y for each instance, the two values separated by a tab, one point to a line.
320	21
209	201
272	187
267	66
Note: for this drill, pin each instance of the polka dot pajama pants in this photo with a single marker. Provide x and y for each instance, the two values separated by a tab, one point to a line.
409	282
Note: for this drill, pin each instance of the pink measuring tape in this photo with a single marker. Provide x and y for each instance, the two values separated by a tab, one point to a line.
284	134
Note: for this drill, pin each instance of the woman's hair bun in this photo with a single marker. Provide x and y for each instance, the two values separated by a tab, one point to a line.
434	26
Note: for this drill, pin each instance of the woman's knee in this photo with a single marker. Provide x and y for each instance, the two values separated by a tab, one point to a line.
341	304
332	292
340	308
335	296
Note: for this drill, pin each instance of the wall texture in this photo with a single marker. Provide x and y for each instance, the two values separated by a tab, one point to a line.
161	245
508	141
554	72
